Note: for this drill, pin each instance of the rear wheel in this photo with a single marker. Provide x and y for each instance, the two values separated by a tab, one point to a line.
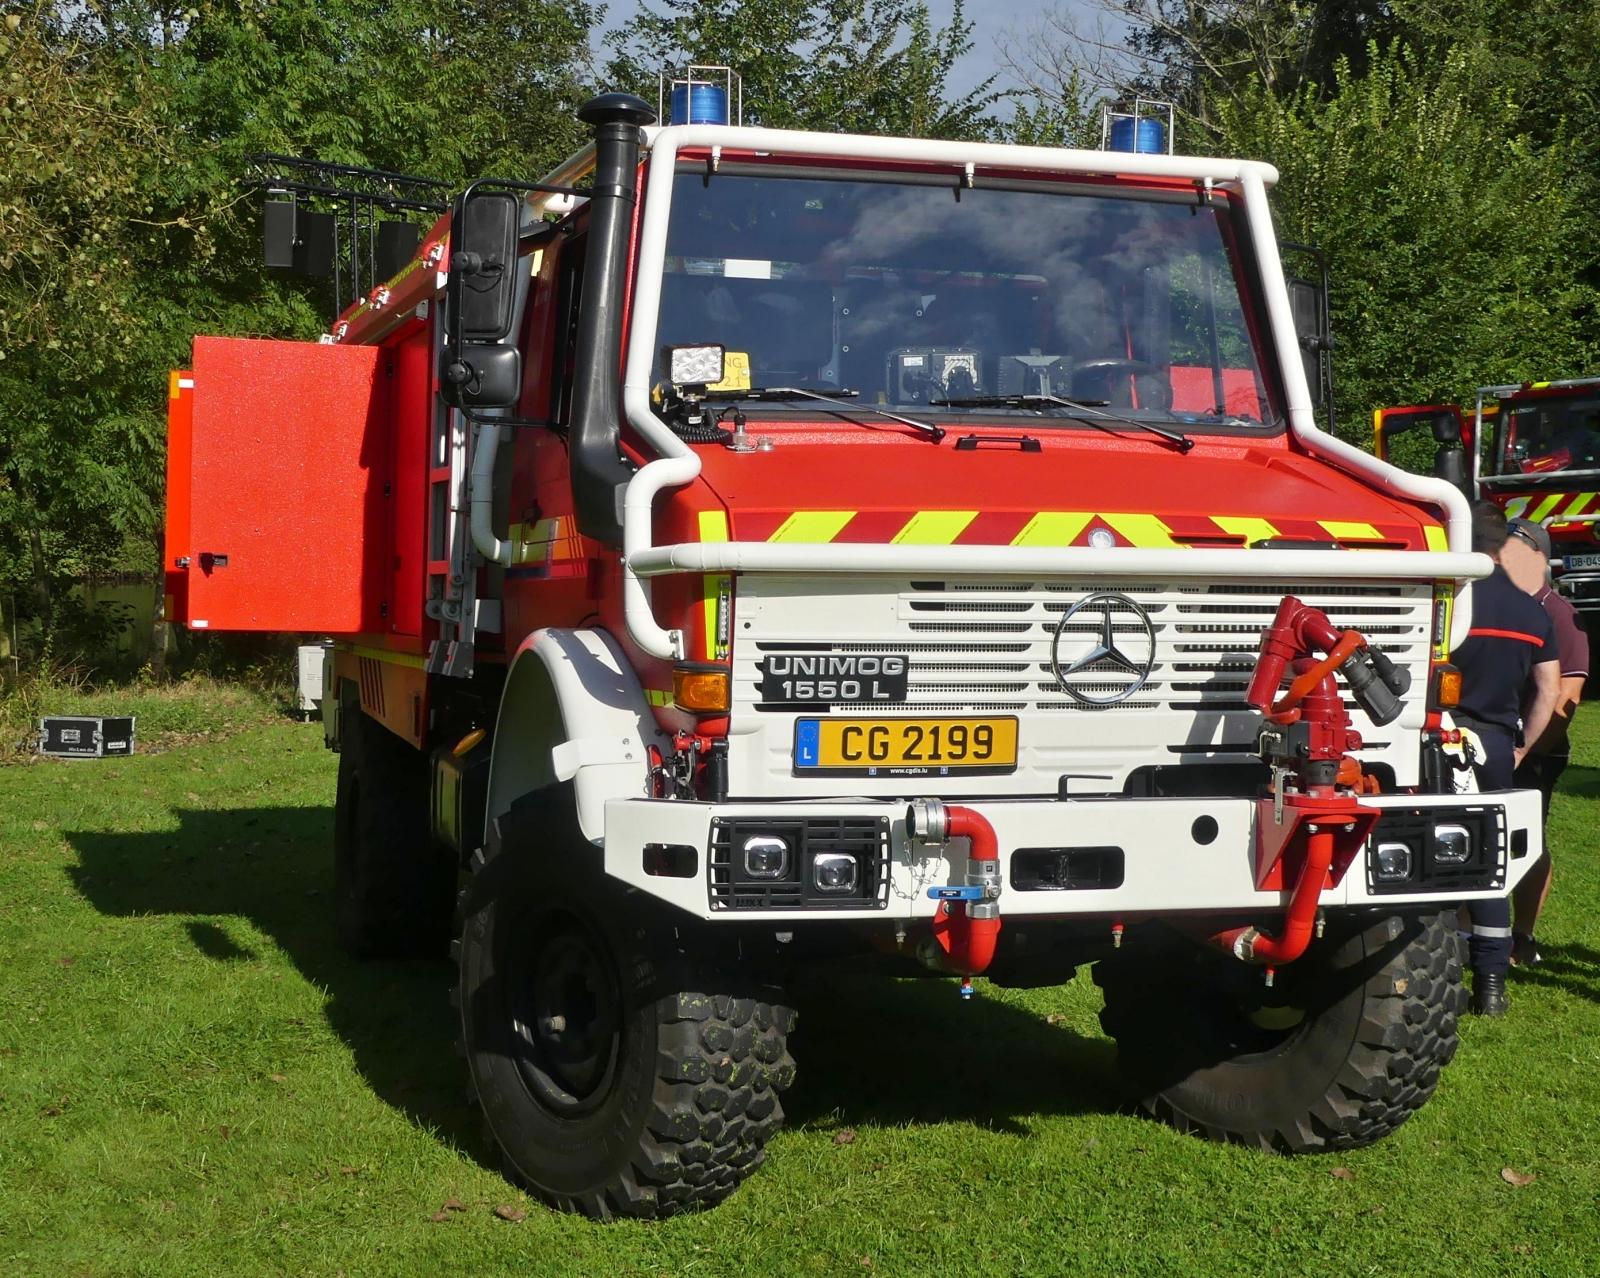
1345	1046
393	885
614	1081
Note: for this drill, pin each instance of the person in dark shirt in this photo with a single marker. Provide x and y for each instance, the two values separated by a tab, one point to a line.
1526	559
1510	647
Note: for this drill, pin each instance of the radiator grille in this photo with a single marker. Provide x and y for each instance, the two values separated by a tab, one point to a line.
998	637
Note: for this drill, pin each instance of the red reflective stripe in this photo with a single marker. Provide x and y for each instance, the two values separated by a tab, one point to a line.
1504	634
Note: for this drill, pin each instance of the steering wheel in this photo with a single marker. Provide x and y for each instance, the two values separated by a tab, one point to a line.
1154	387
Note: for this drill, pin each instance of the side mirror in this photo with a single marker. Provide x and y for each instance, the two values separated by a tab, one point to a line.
480	303
481	376
1310	308
1443	422
482	292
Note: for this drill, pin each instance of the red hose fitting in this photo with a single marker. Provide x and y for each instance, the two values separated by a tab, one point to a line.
964	823
969	943
1255	946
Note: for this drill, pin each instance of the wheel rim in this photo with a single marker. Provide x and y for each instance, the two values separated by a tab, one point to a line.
566	1017
1241	1020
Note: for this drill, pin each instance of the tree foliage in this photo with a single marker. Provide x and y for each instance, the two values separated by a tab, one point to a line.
855	66
1461	248
127	226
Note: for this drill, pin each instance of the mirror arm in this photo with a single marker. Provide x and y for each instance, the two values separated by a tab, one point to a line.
483	419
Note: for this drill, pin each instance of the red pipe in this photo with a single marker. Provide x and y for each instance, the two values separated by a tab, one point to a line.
1255	946
1304	685
964	823
969	944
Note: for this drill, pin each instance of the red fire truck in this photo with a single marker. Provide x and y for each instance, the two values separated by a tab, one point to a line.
750	548
1533	447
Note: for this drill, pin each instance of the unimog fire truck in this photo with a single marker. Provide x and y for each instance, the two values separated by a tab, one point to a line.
748	548
1534	448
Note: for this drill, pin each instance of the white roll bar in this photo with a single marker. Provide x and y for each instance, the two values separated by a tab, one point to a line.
679	464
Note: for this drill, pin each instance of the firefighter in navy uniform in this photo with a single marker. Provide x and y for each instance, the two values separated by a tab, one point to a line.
1510	647
1526	559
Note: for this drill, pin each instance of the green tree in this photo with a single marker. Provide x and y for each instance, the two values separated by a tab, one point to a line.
1461	250
858	66
125	227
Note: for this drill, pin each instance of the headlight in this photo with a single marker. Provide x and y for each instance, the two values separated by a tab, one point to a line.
834	873
1393	862
766	856
1452	844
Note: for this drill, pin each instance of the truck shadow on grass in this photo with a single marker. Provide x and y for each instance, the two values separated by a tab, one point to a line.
871	1051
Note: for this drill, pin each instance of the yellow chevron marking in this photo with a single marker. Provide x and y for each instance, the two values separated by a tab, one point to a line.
1579	503
530	543
1437	538
1246	526
713	525
933	527
1143	530
1546	506
656	697
813	525
1053	528
1340	530
546	541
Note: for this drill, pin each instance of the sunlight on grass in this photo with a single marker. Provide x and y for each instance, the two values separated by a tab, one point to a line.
193	1081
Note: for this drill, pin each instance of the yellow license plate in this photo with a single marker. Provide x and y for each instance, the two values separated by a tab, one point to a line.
905	747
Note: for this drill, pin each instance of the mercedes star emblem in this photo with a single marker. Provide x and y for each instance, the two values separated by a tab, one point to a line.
1104	656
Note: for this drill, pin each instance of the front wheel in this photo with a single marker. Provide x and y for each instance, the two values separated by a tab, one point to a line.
613	1083
1345	1046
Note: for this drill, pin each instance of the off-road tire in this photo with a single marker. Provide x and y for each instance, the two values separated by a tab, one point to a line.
679	1113
1381	997
393	886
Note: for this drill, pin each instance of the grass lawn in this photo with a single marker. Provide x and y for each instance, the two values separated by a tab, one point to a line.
193	1081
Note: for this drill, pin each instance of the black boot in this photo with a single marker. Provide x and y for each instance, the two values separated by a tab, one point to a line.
1489	994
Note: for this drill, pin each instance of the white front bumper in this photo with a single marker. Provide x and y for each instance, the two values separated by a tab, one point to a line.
1166	870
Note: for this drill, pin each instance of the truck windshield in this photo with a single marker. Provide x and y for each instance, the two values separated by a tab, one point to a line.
907	294
1549	434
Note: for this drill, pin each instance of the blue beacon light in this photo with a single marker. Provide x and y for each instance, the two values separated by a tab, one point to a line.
699	102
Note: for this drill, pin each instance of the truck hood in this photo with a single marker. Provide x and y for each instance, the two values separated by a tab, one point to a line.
872	489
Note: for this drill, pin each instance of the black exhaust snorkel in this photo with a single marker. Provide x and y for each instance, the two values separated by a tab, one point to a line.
599	471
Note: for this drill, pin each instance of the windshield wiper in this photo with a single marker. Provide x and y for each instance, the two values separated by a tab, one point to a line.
1087	411
934	433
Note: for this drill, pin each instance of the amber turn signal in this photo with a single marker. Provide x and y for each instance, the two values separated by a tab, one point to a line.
702	691
1446	687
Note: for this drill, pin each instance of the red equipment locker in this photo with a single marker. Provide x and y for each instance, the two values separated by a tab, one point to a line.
287	524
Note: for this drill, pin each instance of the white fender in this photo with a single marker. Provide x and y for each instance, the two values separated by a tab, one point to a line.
572	710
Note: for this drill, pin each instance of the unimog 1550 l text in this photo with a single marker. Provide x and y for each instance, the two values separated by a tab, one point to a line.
746	548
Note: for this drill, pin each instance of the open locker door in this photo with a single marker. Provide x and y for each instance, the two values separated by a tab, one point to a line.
286	526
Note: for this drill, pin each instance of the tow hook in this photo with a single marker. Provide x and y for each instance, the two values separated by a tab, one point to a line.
966	927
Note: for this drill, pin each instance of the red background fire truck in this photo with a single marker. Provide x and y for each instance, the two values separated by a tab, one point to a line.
1534	449
749	548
